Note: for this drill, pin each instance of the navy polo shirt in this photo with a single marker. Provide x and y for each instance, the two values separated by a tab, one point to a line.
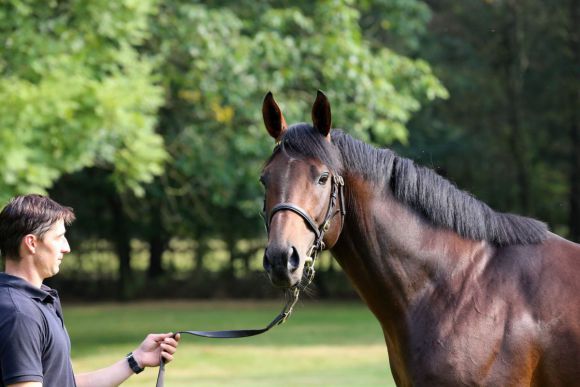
34	343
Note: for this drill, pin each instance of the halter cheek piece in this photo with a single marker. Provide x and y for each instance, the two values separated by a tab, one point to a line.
336	193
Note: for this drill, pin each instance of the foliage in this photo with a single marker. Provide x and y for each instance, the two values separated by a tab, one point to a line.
76	93
505	131
169	92
218	62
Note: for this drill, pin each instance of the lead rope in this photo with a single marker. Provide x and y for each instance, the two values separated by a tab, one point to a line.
337	193
232	334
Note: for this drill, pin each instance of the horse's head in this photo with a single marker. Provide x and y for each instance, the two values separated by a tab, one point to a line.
303	192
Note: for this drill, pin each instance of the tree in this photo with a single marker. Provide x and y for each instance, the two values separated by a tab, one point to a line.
506	132
76	93
573	85
169	93
217	62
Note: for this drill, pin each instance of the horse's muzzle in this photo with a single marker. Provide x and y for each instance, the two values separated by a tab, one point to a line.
282	265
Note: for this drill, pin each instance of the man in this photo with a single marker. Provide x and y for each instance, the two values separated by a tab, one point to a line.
34	343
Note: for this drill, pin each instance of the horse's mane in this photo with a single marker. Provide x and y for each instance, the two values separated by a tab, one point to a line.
435	198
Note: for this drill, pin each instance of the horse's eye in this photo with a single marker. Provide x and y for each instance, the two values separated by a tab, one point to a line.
262	181
323	178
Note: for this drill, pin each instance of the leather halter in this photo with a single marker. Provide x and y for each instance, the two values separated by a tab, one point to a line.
336	193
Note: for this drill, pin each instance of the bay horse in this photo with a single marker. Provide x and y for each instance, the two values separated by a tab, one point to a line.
464	295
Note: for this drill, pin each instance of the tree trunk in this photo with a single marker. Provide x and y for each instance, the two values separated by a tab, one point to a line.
574	42
157	244
231	247
122	243
519	141
201	250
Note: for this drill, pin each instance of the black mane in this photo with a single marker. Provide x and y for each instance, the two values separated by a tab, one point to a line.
435	198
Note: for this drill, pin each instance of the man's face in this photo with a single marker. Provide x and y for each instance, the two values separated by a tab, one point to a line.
50	250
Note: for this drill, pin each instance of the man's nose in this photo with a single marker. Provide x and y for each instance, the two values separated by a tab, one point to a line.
66	247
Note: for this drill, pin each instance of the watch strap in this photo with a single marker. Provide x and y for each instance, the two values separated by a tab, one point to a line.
133	363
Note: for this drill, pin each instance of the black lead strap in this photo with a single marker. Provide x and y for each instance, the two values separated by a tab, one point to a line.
233	334
317	246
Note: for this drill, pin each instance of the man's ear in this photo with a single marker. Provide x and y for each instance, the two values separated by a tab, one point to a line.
321	117
29	243
273	118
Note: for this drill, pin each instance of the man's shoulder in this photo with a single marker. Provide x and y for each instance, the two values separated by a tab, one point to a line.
14	303
7	302
23	320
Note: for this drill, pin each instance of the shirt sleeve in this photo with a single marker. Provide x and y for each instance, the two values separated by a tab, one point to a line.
21	349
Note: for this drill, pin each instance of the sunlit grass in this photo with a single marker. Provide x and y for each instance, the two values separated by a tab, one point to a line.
320	345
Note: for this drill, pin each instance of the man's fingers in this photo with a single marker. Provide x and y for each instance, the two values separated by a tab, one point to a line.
157	337
170	341
167	357
165	347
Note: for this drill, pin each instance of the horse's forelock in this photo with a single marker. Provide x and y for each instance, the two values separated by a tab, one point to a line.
304	141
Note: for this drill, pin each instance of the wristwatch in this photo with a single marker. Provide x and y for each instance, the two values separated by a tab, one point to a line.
133	363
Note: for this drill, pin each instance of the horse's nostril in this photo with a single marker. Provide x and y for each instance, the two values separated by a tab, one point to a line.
267	263
293	259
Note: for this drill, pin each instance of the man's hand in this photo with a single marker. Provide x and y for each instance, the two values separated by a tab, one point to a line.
154	346
147	354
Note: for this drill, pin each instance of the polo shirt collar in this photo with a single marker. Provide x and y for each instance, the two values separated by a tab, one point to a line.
44	294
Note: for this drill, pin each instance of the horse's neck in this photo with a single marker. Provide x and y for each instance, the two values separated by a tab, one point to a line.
395	258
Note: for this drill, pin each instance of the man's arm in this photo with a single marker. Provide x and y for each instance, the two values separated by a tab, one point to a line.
147	355
20	349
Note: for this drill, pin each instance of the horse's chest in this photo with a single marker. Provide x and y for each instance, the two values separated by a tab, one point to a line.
473	347
448	360
445	347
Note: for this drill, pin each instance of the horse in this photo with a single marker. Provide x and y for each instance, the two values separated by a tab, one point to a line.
464	295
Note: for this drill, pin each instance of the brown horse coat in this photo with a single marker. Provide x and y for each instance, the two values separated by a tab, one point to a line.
464	295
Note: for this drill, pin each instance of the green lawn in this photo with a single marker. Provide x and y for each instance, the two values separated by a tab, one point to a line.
320	345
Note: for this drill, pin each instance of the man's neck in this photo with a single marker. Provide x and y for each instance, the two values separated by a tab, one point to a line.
18	269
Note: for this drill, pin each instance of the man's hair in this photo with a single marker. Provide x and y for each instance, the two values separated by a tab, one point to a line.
29	214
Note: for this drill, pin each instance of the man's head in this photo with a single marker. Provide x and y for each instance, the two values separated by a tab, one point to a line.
29	215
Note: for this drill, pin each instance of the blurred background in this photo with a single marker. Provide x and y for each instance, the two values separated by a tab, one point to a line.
145	117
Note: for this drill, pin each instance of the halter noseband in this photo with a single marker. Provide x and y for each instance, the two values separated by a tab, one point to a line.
336	193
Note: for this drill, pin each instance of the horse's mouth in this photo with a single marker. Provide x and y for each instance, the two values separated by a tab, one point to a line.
285	281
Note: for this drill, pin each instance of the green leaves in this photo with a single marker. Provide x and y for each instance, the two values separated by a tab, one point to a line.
76	93
173	89
218	62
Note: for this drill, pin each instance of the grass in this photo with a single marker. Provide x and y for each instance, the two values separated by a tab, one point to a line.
321	344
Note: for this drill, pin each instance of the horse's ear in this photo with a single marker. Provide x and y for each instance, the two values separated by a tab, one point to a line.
321	117
273	118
